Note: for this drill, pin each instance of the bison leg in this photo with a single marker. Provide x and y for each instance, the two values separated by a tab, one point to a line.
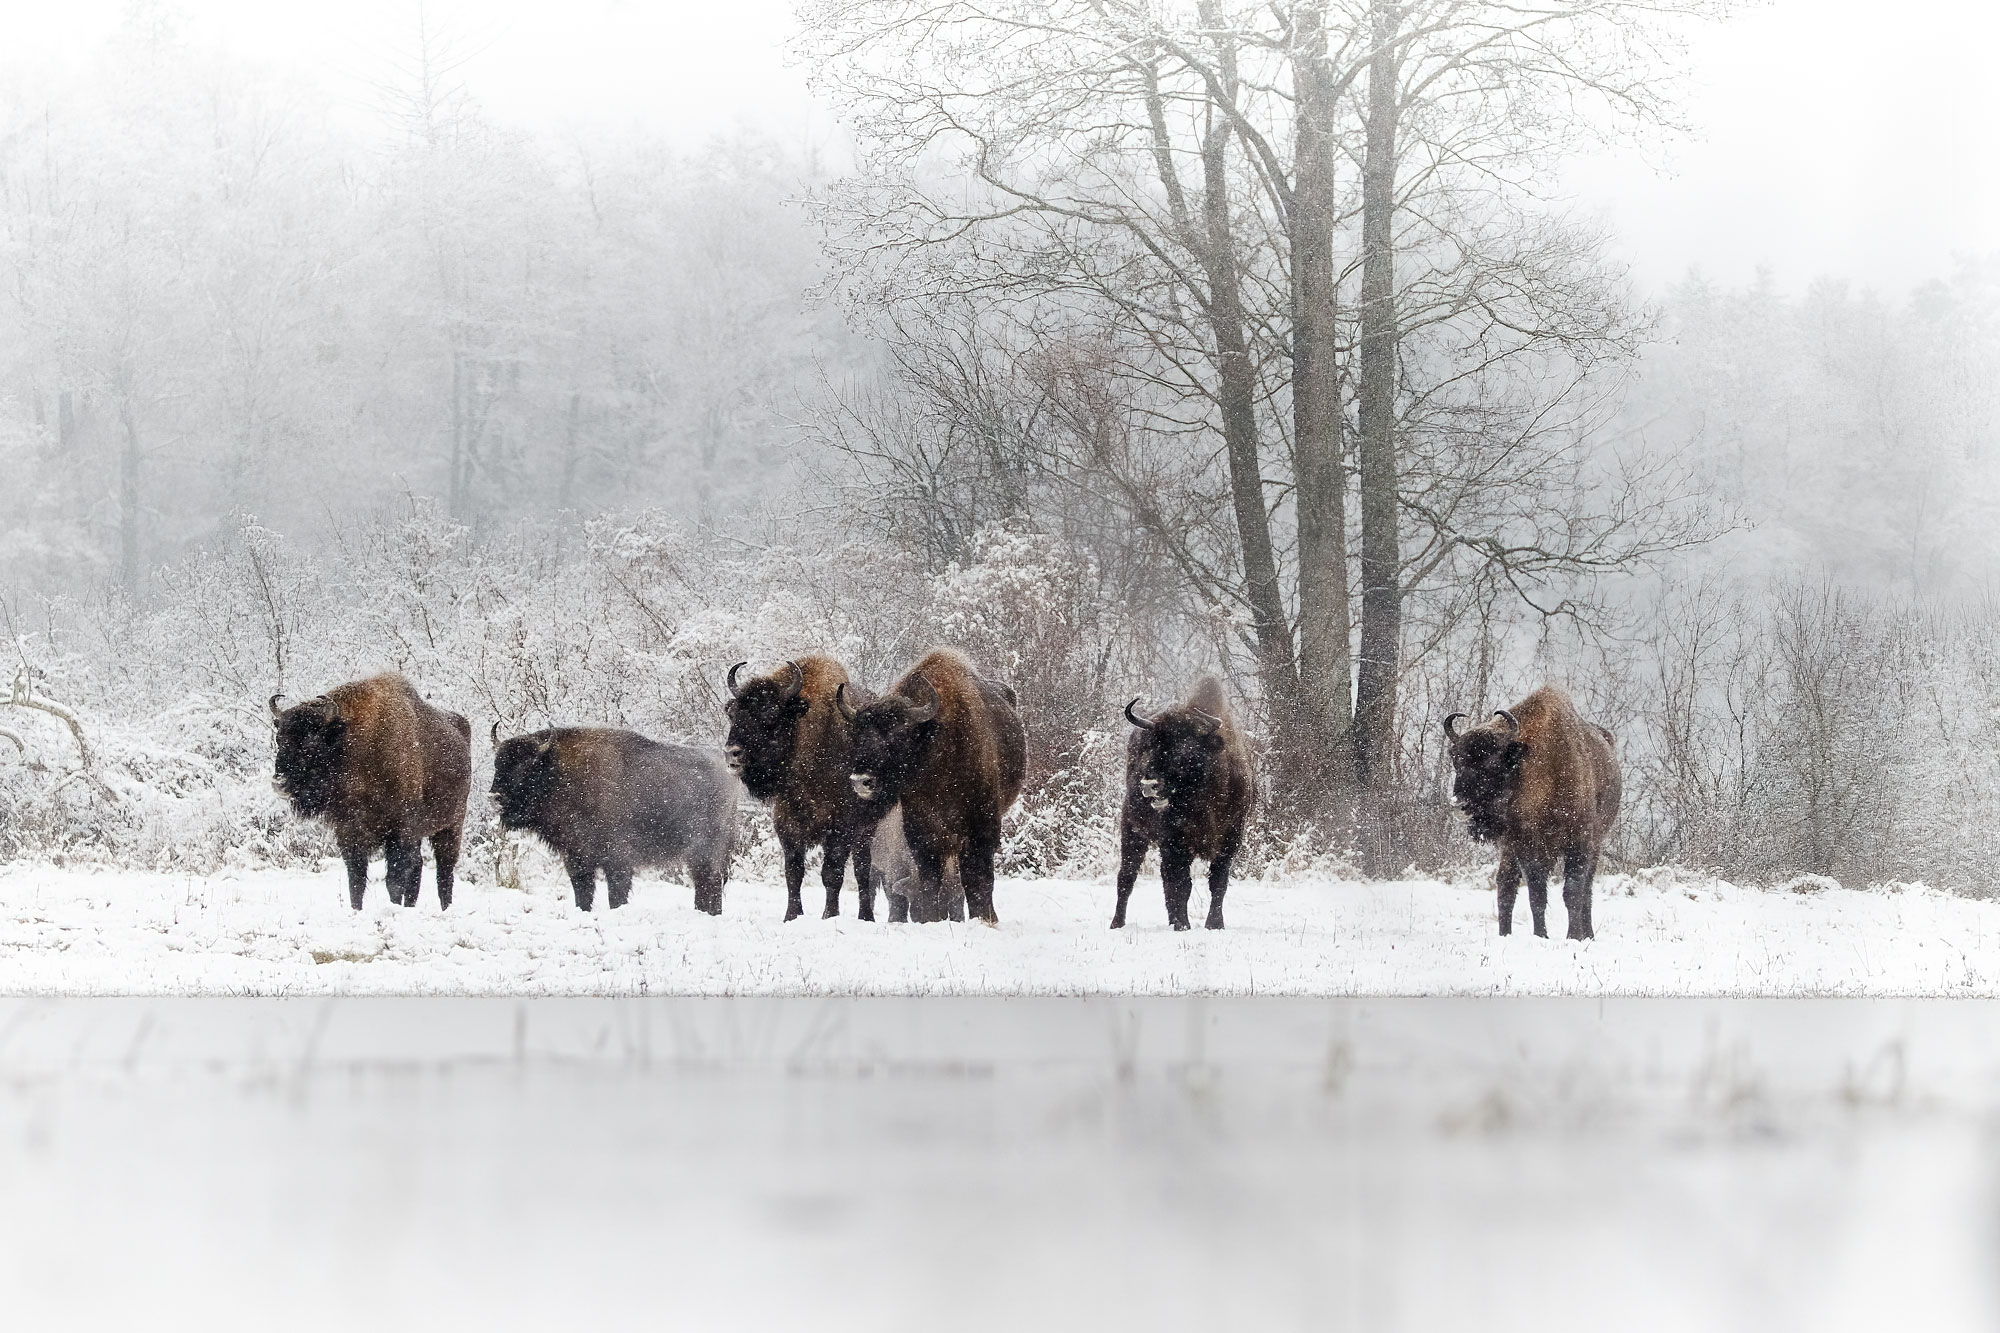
1538	896
617	886
583	880
1132	847
708	881
1218	884
357	875
1579	869
406	869
899	908
795	877
1509	883
444	850
1177	878
832	870
863	857
975	876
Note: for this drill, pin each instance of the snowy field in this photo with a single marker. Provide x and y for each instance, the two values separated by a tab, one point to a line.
82	932
891	1164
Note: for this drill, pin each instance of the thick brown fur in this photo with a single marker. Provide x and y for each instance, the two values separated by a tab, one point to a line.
1192	759
386	770
1548	792
956	770
613	800
794	753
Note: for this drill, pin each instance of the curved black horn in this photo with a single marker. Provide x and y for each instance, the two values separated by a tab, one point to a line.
1514	725
1134	718
930	710
730	683
1449	733
798	682
496	731
840	701
275	710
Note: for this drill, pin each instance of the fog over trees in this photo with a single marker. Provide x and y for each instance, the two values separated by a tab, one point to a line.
1129	340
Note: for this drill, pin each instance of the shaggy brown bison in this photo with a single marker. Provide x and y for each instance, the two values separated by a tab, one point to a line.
949	746
789	743
1189	787
611	800
386	770
1544	784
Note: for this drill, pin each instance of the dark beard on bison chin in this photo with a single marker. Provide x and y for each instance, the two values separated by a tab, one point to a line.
1483	826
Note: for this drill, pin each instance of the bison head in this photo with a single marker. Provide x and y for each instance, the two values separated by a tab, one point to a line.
1485	761
524	775
891	737
311	746
763	727
1170	755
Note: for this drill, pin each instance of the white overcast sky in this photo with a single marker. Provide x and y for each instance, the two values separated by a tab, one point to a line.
1838	137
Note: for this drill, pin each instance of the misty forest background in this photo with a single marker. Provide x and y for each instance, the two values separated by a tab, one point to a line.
1122	342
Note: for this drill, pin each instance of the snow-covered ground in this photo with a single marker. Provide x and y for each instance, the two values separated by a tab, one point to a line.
74	931
905	1164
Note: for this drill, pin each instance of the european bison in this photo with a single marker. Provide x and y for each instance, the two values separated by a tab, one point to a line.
789	744
386	770
612	800
1544	784
1189	787
949	746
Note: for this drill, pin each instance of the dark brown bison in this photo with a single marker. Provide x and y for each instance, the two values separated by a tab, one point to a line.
1189	787
949	746
612	800
1544	784
789	743
386	770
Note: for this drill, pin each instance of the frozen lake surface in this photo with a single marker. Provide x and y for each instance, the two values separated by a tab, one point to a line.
891	1164
76	931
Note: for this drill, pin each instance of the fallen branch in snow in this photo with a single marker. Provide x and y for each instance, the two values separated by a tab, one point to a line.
23	696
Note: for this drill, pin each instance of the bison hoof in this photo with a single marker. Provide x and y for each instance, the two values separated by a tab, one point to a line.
1182	925
1213	923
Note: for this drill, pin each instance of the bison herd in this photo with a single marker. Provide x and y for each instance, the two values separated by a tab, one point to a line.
909	786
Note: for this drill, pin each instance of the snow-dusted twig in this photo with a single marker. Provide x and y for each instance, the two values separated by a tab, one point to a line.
23	696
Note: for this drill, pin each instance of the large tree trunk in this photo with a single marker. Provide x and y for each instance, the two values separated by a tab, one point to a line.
128	496
1381	554
1237	396
1325	662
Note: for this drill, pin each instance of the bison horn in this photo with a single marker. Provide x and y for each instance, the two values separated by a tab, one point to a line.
930	710
275	710
730	683
496	731
1451	733
1134	718
840	702
798	682
1514	728
1208	722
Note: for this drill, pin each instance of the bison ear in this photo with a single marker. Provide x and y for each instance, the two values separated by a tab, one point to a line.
1511	757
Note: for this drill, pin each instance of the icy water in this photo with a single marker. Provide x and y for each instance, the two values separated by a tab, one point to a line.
999	1164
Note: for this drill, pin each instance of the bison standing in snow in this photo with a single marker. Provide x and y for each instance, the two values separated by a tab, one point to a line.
386	770
788	740
612	800
1189	787
949	746
1544	784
